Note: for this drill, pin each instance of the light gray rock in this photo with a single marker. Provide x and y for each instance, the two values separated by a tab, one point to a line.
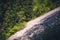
45	27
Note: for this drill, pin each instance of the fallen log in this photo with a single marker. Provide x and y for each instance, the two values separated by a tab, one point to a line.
45	27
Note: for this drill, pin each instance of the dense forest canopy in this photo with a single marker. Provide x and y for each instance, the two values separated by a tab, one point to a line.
14	14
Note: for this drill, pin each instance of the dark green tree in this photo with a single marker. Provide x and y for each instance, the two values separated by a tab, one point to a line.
12	12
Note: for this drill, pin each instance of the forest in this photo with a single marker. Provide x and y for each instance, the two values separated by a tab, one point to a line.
14	14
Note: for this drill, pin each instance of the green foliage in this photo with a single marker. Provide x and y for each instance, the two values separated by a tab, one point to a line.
14	14
15	28
42	6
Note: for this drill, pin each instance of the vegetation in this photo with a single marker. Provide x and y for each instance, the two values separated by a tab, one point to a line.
14	14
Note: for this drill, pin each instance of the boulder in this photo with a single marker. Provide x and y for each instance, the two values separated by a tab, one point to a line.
45	27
